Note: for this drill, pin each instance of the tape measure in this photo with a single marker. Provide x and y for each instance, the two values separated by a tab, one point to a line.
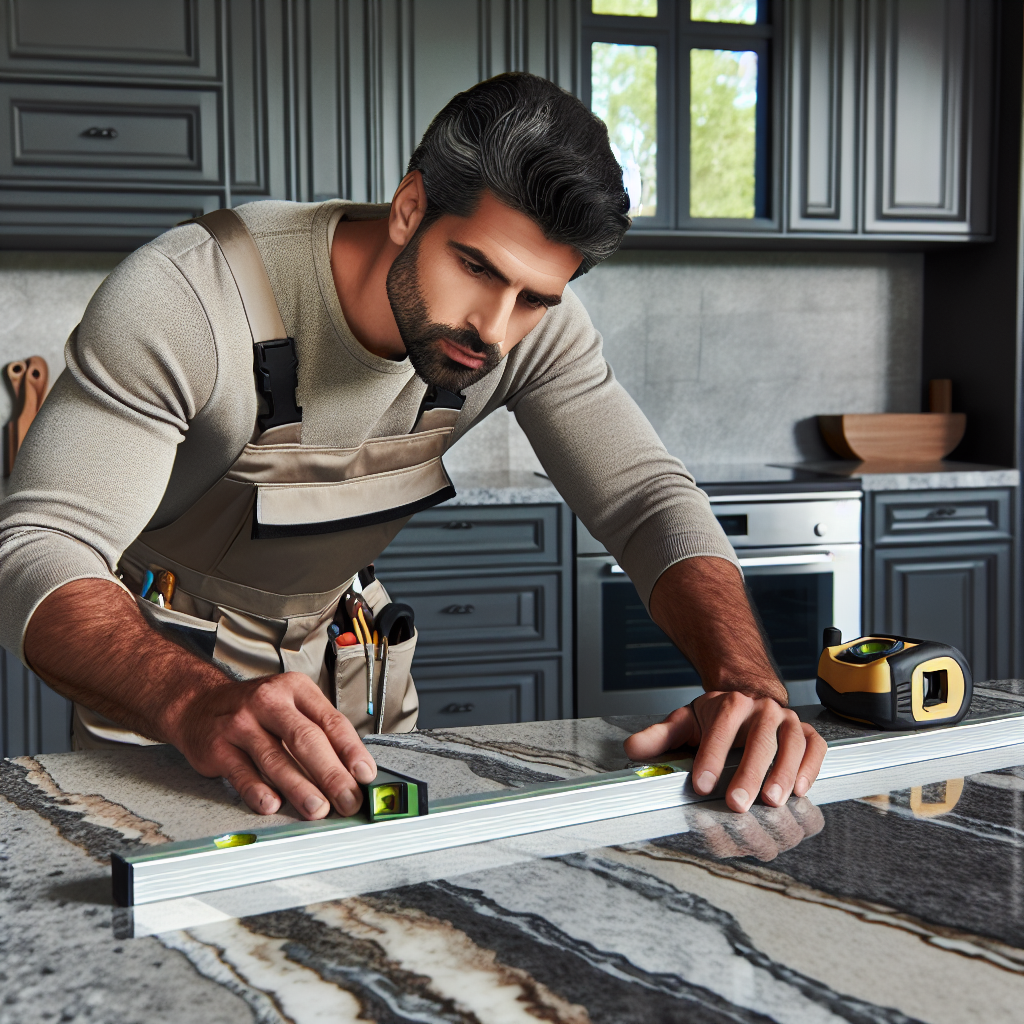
893	682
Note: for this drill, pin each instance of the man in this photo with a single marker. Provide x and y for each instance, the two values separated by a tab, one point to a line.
410	323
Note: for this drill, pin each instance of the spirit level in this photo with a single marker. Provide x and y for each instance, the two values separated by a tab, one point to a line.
395	821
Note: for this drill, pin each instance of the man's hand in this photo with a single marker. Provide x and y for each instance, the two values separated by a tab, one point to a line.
702	605
281	730
764	832
271	737
772	736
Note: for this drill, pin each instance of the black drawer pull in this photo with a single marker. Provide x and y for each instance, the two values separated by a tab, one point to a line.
456	709
99	133
458	609
458	524
941	513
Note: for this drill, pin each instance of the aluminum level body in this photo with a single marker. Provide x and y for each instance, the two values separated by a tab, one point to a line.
185	869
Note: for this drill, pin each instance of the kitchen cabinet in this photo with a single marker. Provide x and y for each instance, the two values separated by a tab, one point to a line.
492	591
491	586
891	111
121	118
928	116
33	718
939	566
824	67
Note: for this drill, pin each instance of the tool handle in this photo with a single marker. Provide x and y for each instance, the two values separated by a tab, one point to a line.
396	622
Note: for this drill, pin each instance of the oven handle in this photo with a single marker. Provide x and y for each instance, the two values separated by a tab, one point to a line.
814	558
811	559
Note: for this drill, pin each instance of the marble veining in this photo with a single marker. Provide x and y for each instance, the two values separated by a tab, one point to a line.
895	907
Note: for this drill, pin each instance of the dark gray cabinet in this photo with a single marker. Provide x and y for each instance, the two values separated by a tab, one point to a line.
891	112
86	39
824	141
33	718
114	110
939	566
928	116
492	591
119	118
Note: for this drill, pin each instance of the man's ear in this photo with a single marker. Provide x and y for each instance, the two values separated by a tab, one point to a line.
408	208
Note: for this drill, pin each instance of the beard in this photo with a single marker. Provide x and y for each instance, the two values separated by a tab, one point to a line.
422	336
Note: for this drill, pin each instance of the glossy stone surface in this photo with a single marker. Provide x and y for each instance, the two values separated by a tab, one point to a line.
897	907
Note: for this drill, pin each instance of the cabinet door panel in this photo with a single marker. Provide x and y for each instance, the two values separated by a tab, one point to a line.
928	116
110	37
932	516
79	220
464	536
139	135
958	595
482	614
487	692
825	81
33	718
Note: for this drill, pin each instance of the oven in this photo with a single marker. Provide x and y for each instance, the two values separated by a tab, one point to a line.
801	559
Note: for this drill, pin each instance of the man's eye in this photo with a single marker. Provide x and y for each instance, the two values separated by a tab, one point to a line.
475	268
532	301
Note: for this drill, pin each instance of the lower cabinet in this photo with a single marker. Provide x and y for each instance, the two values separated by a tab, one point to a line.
486	693
33	718
958	594
939	566
491	586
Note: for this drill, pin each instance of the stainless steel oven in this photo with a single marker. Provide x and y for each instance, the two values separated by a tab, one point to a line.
801	558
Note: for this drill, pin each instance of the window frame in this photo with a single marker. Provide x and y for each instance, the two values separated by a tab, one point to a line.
674	35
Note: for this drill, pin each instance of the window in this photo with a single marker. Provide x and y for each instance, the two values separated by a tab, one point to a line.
683	88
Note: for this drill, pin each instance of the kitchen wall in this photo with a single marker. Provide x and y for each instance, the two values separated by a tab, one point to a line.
731	355
42	297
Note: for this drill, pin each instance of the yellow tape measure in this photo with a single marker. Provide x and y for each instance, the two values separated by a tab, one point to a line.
893	682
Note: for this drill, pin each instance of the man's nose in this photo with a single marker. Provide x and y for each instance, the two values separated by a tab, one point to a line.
491	319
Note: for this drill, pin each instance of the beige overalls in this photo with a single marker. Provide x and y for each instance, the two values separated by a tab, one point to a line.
263	557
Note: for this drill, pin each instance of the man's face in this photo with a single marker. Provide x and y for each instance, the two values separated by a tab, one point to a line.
467	290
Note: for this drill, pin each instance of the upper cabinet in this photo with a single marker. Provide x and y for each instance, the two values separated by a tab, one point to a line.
824	77
842	121
928	116
891	114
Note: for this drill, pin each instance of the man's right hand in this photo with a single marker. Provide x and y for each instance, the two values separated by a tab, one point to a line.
279	730
270	738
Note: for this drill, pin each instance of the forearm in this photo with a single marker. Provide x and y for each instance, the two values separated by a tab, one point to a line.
91	643
702	605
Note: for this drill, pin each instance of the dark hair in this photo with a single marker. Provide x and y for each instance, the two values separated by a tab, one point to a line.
538	150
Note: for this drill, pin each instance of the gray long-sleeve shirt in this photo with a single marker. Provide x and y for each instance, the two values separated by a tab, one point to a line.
158	400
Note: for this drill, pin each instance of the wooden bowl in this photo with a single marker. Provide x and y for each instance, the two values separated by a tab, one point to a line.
903	436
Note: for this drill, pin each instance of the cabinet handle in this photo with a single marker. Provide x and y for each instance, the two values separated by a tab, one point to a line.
458	524
458	609
99	133
456	709
941	513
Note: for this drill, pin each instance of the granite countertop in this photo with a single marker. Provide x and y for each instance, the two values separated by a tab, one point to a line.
503	488
910	476
849	906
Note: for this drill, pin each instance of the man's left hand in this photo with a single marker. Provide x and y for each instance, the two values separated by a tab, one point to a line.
718	721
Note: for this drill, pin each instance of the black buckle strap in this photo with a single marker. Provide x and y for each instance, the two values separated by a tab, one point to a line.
276	367
438	398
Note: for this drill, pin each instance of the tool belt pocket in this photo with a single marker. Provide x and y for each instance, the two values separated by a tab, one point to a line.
400	701
194	634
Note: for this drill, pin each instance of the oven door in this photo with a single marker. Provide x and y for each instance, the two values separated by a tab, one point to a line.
626	665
